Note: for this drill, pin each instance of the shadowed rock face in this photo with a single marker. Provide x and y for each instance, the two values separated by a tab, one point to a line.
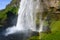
11	19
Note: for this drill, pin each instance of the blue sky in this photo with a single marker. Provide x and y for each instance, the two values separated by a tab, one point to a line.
3	3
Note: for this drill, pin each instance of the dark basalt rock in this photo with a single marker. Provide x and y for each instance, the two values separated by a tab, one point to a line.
11	19
34	33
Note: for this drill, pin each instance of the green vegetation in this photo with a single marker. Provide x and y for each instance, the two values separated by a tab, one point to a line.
12	7
54	35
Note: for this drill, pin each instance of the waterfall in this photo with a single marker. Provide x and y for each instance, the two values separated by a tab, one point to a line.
27	16
26	19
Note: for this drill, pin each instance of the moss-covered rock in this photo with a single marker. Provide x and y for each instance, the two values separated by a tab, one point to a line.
12	7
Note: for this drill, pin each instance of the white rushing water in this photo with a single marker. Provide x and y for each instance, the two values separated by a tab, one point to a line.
27	16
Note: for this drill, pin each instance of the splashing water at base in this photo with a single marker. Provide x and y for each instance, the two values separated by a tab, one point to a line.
12	30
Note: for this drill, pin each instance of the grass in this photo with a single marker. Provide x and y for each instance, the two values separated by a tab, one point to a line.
54	35
55	28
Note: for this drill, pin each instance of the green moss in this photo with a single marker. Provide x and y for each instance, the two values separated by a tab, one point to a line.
13	7
55	32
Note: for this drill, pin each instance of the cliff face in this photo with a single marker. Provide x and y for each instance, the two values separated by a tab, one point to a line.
12	7
51	3
14	3
53	8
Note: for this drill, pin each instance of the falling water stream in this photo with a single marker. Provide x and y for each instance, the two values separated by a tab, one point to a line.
27	17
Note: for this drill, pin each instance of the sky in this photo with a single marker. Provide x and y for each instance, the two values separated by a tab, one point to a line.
3	3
